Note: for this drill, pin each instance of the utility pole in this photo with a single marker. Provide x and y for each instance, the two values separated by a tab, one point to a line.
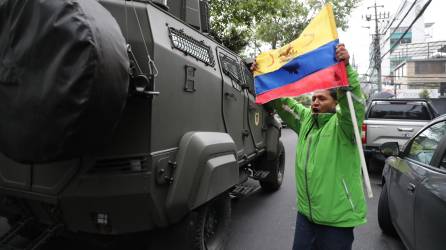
377	40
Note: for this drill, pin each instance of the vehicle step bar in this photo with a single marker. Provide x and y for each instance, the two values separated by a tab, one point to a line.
260	174
8	240
243	189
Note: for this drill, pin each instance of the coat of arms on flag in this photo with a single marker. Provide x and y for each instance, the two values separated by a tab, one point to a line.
304	65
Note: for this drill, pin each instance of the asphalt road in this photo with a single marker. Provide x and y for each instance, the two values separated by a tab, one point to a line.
265	221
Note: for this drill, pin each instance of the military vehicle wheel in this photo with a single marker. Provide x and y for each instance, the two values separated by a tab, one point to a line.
277	169
210	224
384	219
205	228
31	230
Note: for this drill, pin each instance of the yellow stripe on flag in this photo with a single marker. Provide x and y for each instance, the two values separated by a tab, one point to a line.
321	30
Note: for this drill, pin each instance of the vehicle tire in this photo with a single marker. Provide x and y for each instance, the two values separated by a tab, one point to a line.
31	230
369	163
384	219
374	165
79	99
205	228
277	169
208	226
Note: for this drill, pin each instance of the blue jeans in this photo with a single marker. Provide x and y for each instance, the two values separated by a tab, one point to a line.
311	236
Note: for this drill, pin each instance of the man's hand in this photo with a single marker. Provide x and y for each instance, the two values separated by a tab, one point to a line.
342	54
253	66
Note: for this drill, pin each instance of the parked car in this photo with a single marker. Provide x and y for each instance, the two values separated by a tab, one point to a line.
393	120
413	197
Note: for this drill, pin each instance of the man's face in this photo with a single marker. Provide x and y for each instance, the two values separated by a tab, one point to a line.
323	102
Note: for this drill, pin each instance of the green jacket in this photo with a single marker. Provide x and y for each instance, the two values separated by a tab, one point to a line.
328	168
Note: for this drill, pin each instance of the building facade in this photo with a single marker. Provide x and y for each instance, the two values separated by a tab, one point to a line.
413	76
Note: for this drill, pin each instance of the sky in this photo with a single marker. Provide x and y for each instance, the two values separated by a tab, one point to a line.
357	38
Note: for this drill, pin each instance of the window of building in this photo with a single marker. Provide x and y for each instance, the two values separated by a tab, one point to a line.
403	41
434	67
399	30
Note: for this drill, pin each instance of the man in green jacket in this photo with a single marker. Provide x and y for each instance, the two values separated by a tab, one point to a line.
330	196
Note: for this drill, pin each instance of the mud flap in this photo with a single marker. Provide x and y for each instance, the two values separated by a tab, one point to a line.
206	167
272	137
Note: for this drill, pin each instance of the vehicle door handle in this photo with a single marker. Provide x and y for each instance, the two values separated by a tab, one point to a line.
230	95
411	188
405	129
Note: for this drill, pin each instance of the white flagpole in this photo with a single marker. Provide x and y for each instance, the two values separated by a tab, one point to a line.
358	143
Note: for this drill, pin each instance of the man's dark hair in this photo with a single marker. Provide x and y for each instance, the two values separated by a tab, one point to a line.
334	93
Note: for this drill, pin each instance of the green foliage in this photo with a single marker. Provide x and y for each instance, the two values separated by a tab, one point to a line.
281	23
424	94
229	23
276	22
304	100
341	9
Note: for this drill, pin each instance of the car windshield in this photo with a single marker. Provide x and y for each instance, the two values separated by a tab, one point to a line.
404	111
425	144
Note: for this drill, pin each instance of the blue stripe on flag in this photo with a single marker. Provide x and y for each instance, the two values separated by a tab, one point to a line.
298	68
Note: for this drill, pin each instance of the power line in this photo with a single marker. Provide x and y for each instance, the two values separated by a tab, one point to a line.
408	28
407	13
429	84
413	77
400	10
417	77
376	40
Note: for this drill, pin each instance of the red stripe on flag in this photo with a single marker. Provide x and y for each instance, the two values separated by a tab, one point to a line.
331	77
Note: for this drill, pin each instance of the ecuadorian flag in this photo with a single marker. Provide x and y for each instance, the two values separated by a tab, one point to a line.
304	65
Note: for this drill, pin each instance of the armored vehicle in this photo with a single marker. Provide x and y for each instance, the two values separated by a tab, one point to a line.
120	117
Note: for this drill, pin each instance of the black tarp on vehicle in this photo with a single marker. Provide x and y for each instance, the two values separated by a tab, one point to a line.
63	78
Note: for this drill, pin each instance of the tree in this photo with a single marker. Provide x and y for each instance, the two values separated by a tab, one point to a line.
229	23
304	100
341	9
276	22
424	94
281	23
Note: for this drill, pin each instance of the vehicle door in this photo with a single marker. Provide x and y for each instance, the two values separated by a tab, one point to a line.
256	116
430	194
233	99
405	176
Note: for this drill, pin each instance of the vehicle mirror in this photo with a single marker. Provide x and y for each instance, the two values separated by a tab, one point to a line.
390	149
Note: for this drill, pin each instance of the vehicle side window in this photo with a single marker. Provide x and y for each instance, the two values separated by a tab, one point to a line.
232	70
423	145
249	79
443	162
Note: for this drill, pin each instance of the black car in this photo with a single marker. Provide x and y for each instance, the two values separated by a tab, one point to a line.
413	198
